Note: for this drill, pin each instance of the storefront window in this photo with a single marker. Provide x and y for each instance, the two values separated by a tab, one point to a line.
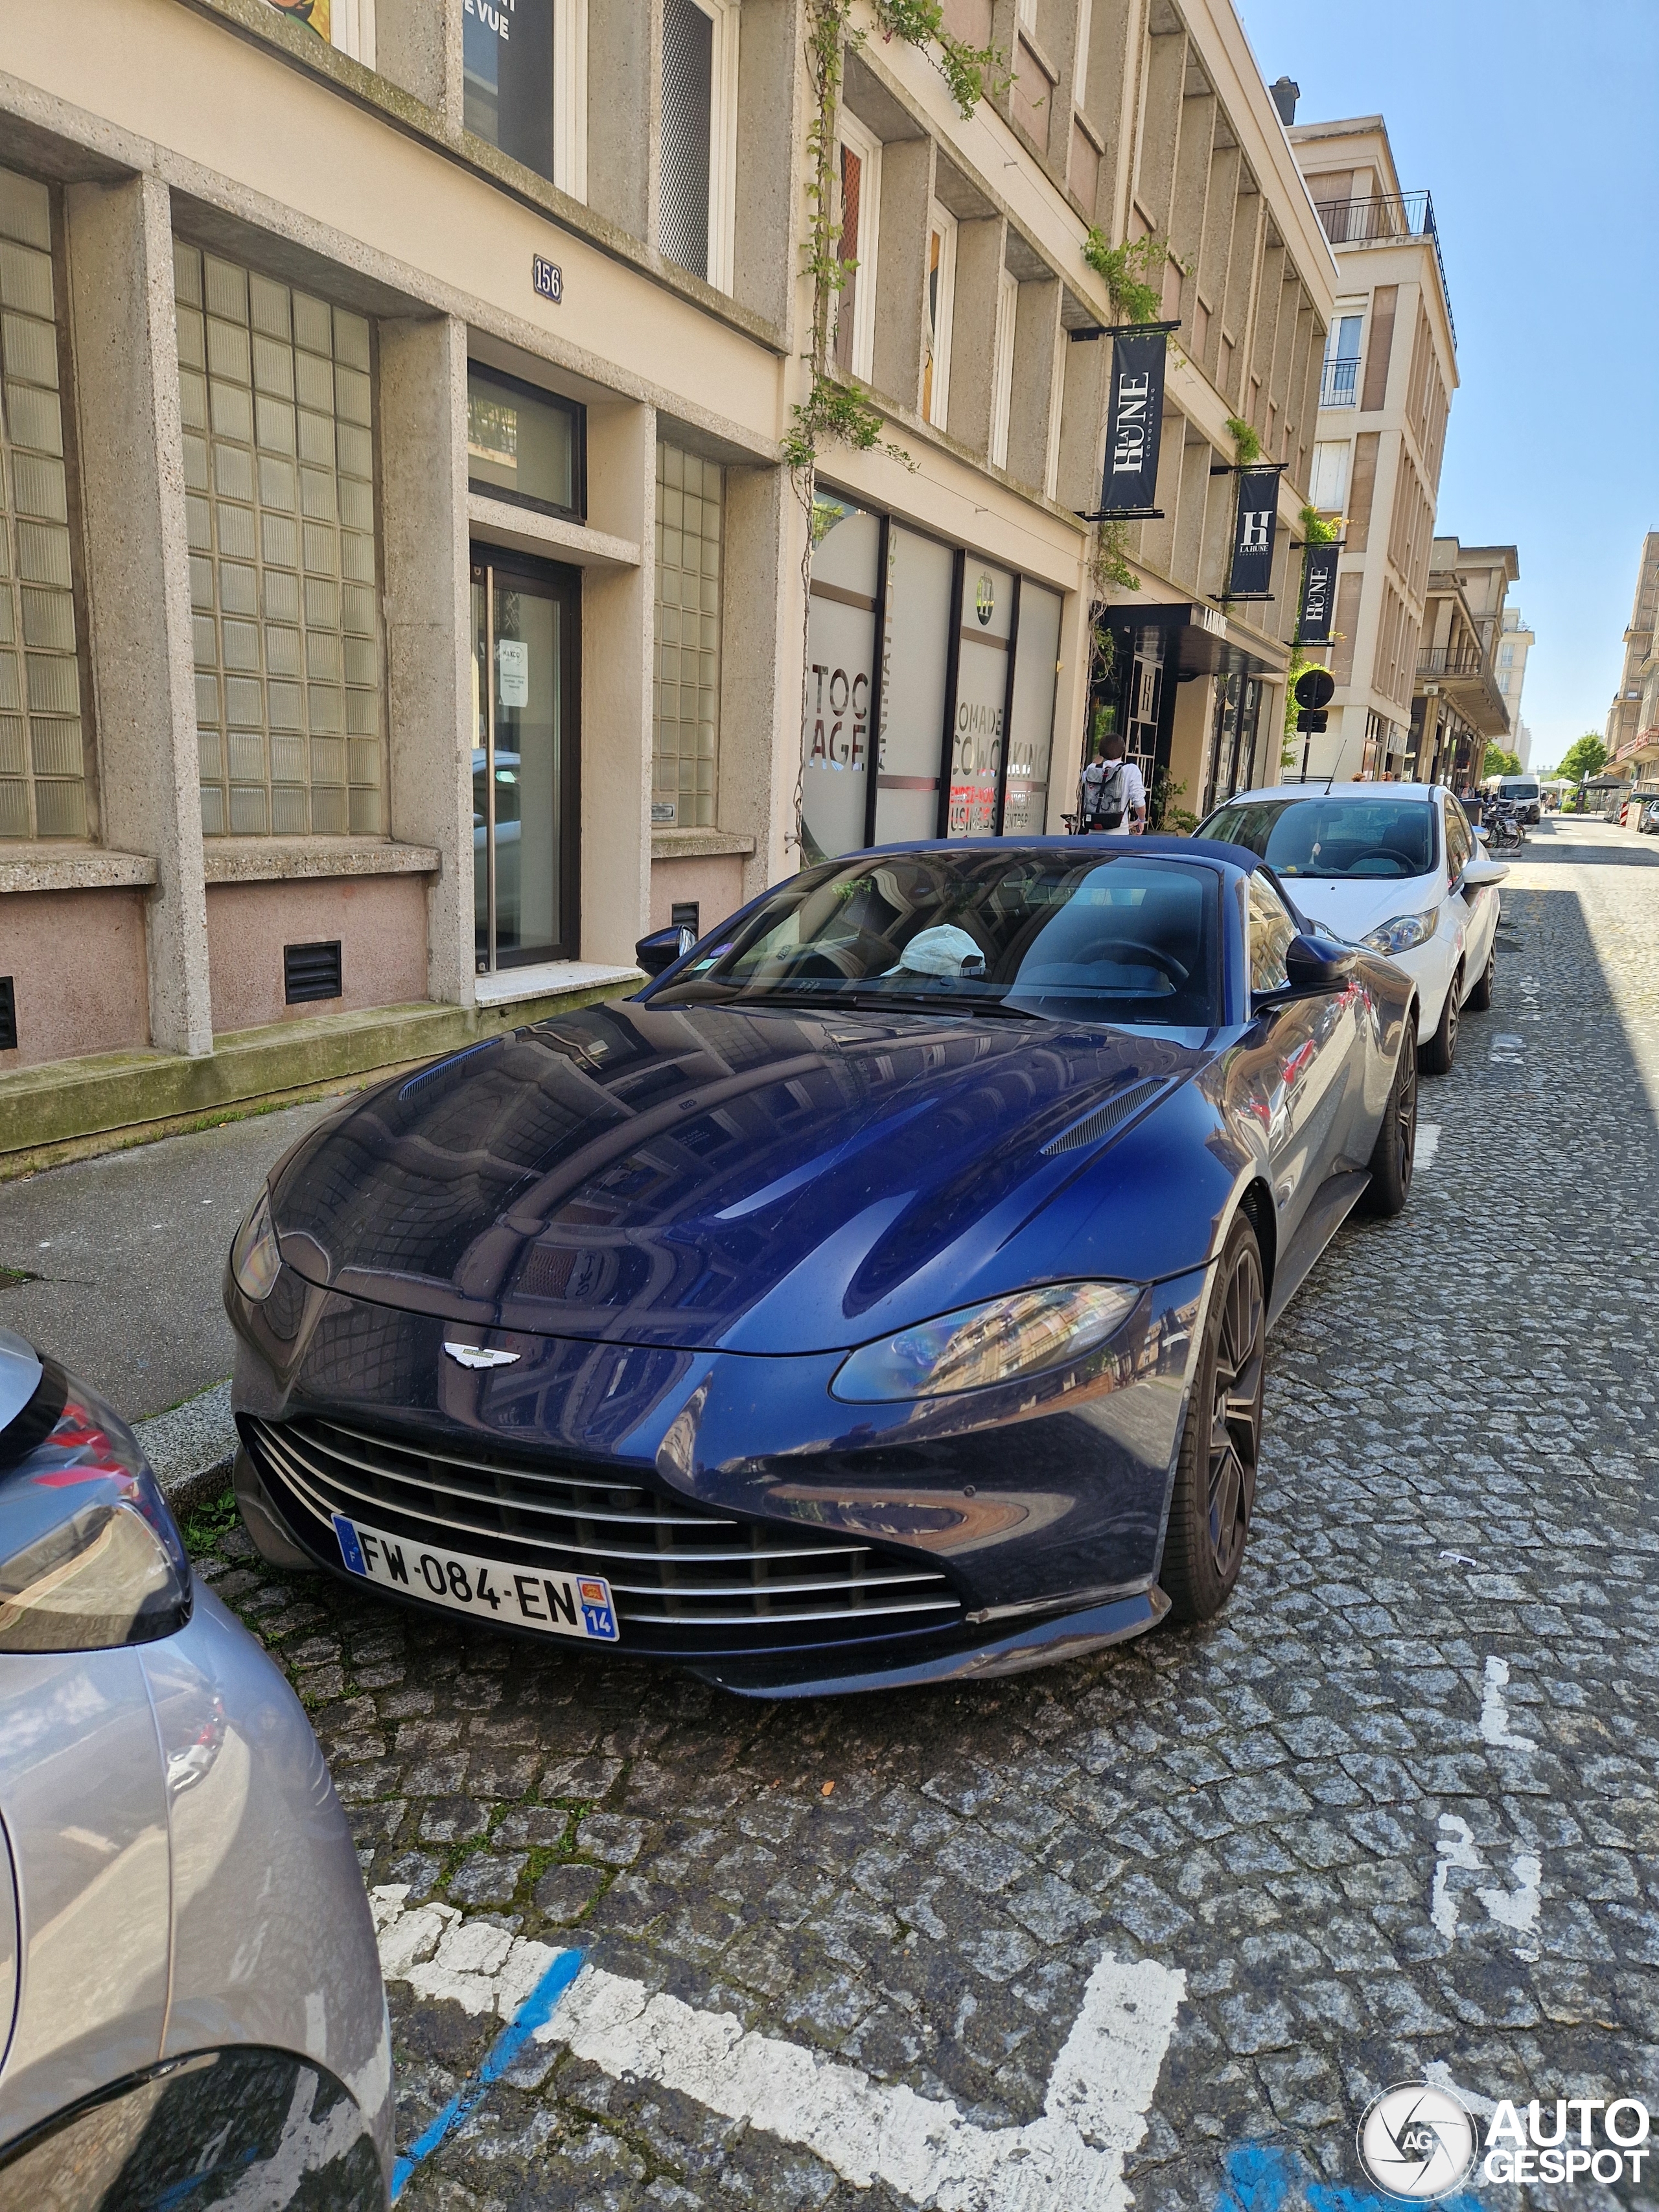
507	57
840	674
43	790
980	716
914	659
274	392
1031	725
686	679
523	445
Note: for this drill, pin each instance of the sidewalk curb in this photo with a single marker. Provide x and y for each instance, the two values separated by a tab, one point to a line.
192	1448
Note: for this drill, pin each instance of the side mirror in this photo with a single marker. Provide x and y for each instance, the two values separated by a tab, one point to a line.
1480	831
658	952
1318	963
1481	871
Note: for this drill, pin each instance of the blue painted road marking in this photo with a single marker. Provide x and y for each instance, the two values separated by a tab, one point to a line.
1269	2178
535	2012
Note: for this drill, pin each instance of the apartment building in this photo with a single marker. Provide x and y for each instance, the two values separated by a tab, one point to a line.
1459	706
1389	370
1633	718
1515	642
403	593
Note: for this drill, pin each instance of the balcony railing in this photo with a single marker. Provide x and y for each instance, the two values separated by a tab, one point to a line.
1384	219
1340	385
1452	660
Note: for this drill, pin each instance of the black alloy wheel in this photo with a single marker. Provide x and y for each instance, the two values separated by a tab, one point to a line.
1394	1153
1441	1049
1480	997
1220	1447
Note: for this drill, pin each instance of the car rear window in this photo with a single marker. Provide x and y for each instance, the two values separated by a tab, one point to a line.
1072	933
1332	837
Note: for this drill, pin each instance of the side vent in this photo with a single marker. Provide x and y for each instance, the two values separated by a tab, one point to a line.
312	972
1104	1119
7	1015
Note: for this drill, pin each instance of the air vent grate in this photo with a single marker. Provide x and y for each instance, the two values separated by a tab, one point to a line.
7	1015
312	972
1105	1119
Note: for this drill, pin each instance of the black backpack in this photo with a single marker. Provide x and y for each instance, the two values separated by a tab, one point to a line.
1104	803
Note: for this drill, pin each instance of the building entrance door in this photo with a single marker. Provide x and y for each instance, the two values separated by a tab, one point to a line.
526	618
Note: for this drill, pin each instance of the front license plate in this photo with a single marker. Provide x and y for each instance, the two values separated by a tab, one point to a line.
513	1597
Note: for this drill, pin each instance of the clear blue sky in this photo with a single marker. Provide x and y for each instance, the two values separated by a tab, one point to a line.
1533	124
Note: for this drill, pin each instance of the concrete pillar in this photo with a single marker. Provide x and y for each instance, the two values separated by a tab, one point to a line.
618	642
120	264
906	186
423	528
624	95
765	262
1087	370
417	45
973	330
760	670
1036	334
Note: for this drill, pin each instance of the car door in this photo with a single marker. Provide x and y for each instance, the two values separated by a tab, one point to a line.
1478	901
1303	1064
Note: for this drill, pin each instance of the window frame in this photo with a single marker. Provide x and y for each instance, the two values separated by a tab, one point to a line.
936	322
724	17
1345	473
861	142
1002	366
543	396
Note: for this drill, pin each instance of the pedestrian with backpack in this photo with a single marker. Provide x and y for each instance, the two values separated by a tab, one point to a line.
1112	795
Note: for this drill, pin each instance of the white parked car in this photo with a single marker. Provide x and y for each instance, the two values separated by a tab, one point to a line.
1392	866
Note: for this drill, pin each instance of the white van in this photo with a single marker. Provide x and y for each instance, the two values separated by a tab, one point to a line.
1522	792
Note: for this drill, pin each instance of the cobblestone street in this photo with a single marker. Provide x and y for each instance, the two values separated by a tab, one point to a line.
1395	1811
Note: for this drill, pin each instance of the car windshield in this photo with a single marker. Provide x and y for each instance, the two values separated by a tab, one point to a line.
1070	932
1518	786
1329	836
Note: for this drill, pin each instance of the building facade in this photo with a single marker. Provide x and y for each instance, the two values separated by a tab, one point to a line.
1387	379
1633	718
1459	706
404	595
1515	642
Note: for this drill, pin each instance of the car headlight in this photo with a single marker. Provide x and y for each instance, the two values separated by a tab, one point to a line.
256	1258
1404	931
991	1343
90	1557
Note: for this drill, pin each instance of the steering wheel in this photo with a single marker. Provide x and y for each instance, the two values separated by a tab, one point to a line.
1155	957
1405	862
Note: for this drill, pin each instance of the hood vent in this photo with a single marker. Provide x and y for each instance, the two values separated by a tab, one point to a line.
1107	1118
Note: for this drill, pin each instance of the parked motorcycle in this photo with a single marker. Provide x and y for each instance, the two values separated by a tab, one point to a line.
1505	831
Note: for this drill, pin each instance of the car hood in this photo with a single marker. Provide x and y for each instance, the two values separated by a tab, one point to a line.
711	1178
1351	905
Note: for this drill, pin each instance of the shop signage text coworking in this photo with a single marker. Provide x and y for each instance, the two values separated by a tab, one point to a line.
1129	484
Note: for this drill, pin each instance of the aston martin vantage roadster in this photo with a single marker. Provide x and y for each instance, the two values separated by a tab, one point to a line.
878	1296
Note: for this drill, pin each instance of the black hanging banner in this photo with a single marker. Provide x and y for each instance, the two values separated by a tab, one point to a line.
1129	485
1253	535
1318	594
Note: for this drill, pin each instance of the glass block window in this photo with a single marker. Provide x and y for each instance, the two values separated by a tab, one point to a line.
686	729
43	788
276	393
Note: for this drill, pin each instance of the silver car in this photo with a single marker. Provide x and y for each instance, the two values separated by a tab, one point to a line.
191	2004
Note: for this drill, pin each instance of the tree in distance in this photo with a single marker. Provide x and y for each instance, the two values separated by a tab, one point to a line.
1584	756
1499	763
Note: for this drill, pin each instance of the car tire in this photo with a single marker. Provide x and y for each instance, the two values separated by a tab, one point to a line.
1441	1049
1220	1444
1480	997
1394	1156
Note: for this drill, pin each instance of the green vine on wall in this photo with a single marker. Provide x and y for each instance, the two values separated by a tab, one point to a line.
1126	271
1246	443
837	411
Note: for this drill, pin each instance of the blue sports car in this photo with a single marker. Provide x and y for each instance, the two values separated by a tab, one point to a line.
877	1298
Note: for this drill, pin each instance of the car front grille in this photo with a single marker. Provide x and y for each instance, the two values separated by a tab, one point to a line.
682	1579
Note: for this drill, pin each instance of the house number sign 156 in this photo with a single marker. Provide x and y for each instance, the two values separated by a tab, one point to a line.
547	278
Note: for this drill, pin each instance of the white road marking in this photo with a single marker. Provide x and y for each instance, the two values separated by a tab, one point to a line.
1507	1047
1096	2108
1455	1848
1439	2075
1518	1908
1428	1144
1495	1728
